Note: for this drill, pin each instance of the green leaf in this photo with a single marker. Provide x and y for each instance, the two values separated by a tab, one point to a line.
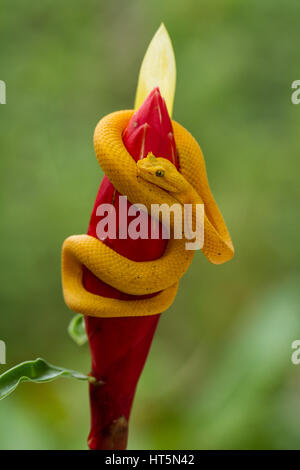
76	329
37	371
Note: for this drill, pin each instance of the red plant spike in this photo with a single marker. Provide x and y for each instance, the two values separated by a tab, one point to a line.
119	346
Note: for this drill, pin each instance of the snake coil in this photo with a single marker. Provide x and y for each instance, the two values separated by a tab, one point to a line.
159	276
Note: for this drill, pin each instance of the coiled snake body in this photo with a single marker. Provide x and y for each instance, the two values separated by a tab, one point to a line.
150	181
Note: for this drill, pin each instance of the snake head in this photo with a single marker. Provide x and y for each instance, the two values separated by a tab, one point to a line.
161	172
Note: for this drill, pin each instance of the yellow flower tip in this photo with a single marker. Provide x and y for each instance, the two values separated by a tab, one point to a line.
158	69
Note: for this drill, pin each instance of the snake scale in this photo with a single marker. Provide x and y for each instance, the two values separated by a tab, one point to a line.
150	181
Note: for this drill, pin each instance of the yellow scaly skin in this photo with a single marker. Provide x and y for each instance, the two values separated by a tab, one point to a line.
141	184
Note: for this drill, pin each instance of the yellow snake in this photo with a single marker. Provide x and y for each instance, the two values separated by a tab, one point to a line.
149	181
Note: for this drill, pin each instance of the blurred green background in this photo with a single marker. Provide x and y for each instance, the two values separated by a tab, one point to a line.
219	375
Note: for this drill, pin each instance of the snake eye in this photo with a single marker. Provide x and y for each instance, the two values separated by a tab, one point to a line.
160	173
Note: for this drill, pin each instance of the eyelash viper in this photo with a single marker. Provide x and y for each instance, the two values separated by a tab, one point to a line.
159	276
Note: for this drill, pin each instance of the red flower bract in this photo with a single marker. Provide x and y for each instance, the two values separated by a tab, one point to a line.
119	346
